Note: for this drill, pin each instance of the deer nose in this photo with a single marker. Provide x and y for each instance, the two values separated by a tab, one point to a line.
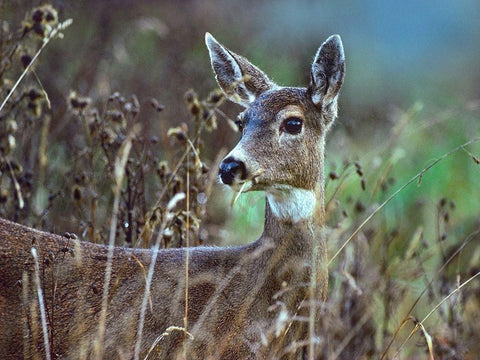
231	169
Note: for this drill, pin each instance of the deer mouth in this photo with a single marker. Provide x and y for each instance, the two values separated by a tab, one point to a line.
252	182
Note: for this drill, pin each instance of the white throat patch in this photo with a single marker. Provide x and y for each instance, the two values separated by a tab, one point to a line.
289	203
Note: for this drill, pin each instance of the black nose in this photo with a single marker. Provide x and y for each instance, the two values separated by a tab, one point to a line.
231	169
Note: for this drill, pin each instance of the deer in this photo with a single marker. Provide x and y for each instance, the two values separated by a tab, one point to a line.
255	301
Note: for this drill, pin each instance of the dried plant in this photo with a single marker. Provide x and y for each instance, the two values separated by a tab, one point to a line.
385	275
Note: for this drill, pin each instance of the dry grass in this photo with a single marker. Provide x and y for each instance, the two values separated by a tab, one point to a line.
385	274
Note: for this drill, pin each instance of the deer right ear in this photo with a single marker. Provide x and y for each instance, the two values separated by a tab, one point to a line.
241	81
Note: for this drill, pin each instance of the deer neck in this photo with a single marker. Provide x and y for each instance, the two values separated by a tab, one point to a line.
293	211
294	224
288	206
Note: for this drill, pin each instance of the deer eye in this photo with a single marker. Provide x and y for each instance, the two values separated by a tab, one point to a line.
292	125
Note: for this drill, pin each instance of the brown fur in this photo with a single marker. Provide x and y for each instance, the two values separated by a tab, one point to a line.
226	294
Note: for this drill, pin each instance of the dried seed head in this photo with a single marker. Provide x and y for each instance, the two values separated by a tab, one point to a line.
6	85
37	15
51	15
80	178
442	202
4	194
446	217
114	96
156	105
333	175
359	207
7	144
26	59
162	168
45	14
190	96
384	186
128	107
135	101
107	136
194	104
77	103
115	116
205	114
35	108
34	94
12	126
77	193
205	168
215	98
178	221
210	120
93	125
195	108
177	184
133	106
178	133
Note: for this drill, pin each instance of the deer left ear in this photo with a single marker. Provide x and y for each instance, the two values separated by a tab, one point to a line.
241	81
327	73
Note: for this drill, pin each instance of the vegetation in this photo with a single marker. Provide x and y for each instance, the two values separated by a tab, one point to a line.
402	201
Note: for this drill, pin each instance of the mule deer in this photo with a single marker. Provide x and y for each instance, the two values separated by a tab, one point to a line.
246	302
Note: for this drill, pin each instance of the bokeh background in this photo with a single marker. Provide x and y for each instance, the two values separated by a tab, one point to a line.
400	56
411	95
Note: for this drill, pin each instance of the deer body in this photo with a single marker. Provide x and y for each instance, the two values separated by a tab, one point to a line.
242	301
226	299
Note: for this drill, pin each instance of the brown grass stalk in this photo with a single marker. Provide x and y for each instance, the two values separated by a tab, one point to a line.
171	205
41	304
187	245
119	173
408	315
419	325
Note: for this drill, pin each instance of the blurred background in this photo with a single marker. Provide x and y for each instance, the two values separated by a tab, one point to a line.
411	95
400	55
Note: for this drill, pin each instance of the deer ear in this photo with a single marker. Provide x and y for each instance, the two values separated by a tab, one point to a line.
328	70
241	81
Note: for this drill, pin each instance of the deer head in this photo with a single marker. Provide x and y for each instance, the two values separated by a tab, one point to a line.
283	128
